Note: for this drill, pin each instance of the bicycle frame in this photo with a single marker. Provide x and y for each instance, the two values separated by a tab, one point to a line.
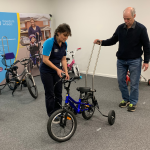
69	100
73	60
23	74
71	64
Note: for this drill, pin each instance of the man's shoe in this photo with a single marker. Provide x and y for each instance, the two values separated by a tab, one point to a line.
131	107
124	104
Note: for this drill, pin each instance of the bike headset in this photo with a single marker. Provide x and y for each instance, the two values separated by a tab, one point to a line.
65	81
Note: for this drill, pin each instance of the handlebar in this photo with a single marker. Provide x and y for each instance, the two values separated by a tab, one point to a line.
71	79
74	51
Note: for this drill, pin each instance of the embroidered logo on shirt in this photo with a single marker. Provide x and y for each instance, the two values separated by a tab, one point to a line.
56	50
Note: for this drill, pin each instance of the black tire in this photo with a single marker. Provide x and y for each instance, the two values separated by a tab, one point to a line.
87	114
10	82
149	82
30	65
72	70
38	61
31	87
71	119
111	117
76	71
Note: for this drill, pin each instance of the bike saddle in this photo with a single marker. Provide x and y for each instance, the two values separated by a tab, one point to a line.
84	89
14	68
67	59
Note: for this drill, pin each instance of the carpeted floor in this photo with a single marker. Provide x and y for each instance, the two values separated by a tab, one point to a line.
23	120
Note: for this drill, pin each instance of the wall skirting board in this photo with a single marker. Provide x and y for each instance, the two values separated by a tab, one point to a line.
106	75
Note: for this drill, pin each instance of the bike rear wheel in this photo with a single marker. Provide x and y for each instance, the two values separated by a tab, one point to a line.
61	125
90	109
10	80
31	86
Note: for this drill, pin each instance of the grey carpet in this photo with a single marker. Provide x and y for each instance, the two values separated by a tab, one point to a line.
23	120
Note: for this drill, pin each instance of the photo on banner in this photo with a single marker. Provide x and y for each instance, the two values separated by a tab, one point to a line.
34	30
23	34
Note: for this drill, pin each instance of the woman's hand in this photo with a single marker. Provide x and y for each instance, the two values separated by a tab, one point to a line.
67	76
59	72
37	33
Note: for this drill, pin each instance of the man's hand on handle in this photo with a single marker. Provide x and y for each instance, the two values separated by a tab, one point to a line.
97	41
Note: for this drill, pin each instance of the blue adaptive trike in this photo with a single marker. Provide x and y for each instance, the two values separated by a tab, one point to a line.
62	123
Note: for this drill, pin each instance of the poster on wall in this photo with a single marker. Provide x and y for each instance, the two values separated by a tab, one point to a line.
23	34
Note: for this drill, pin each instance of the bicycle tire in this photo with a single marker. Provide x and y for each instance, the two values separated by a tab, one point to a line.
31	87
30	65
76	71
10	82
38	61
61	115
91	109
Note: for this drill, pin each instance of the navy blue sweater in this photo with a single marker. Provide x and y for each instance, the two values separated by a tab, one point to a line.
130	42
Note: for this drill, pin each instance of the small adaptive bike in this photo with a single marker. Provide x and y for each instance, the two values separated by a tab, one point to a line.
12	77
62	123
73	67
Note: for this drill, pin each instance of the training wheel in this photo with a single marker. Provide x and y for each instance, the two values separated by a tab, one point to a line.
148	81
111	117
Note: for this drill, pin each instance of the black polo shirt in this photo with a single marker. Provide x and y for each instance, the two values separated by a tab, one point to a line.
55	53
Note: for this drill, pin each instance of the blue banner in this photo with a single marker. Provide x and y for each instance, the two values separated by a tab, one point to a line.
9	32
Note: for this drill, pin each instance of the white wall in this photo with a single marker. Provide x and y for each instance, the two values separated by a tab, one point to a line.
26	6
91	19
88	19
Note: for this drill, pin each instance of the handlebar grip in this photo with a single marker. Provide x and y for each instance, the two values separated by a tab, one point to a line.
63	75
78	77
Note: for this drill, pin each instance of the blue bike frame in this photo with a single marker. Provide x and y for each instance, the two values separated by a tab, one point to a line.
79	103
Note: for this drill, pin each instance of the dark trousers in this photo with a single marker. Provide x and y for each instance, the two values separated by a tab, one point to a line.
53	96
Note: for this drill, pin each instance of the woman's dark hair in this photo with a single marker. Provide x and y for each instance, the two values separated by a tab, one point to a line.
63	28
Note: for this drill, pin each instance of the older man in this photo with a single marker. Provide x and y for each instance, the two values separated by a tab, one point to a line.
131	35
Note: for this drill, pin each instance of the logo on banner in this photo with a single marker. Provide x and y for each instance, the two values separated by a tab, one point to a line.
0	22
7	22
1	69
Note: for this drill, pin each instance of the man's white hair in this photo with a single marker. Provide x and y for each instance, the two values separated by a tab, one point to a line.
132	11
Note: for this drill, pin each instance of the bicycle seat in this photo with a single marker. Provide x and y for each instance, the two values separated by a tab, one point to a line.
67	59
84	89
14	68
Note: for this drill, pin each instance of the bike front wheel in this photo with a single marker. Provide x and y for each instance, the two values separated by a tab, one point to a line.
31	86
61	125
76	71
